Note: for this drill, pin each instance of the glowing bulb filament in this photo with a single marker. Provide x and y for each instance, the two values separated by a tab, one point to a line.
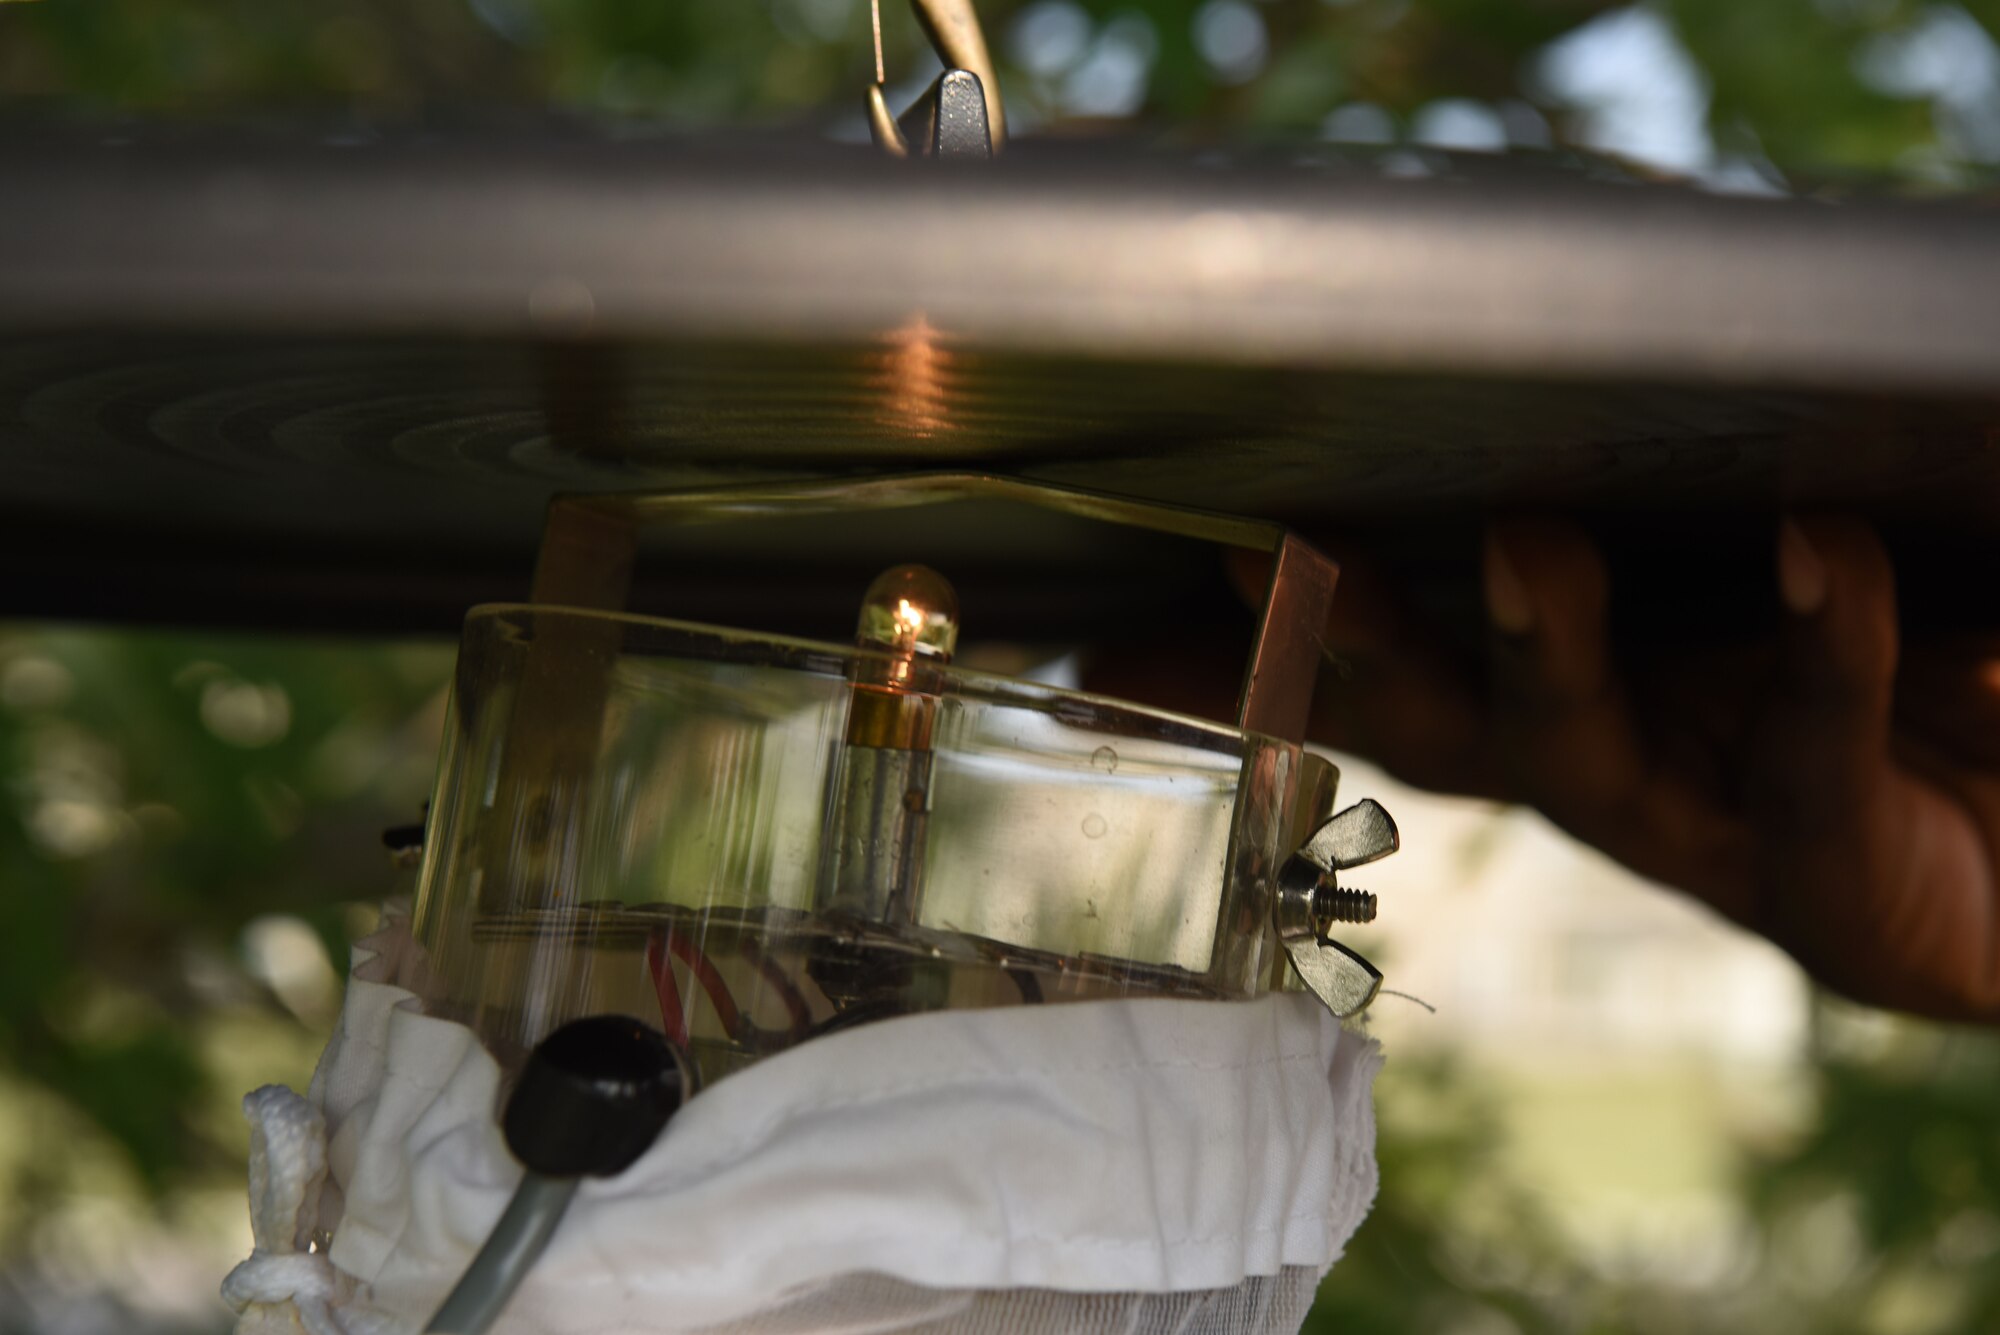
911	611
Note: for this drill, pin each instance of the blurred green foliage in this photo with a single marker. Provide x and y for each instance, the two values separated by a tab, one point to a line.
162	794
1446	1195
1880	1217
1890	1207
1812	89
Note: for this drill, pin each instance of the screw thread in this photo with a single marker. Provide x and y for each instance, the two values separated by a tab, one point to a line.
1334	904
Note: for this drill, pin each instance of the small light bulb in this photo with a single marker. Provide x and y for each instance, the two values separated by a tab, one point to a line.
910	611
879	807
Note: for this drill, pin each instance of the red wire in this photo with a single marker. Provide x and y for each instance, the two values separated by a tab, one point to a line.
668	991
795	1005
662	942
711	982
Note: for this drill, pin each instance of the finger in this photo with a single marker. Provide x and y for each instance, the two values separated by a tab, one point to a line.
1566	730
1367	615
1948	694
1389	691
1561	715
1878	873
1386	691
1412	712
1712	695
1821	750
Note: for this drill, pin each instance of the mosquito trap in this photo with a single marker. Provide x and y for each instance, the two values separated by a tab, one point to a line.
750	841
948	981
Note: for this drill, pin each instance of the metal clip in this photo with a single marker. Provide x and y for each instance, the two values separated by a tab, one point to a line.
1310	901
959	115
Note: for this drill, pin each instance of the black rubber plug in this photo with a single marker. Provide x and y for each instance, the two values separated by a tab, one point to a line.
593	1097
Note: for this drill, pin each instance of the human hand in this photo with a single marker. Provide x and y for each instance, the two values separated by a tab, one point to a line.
1810	786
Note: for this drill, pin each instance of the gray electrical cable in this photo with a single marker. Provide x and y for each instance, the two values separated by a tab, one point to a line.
511	1250
591	1098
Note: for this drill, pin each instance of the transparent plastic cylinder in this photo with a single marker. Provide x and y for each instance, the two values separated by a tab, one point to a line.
653	818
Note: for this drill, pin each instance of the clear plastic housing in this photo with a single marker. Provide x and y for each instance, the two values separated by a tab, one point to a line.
717	832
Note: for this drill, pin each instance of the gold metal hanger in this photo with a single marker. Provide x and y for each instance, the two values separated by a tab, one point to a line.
960	114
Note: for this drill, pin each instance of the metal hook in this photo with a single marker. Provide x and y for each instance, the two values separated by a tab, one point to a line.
960	114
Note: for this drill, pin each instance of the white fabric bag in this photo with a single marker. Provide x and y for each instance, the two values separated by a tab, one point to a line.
1114	1166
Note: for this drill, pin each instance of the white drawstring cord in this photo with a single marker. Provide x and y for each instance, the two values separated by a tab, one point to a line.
284	1286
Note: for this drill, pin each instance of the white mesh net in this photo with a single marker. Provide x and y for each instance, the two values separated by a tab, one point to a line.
876	1303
